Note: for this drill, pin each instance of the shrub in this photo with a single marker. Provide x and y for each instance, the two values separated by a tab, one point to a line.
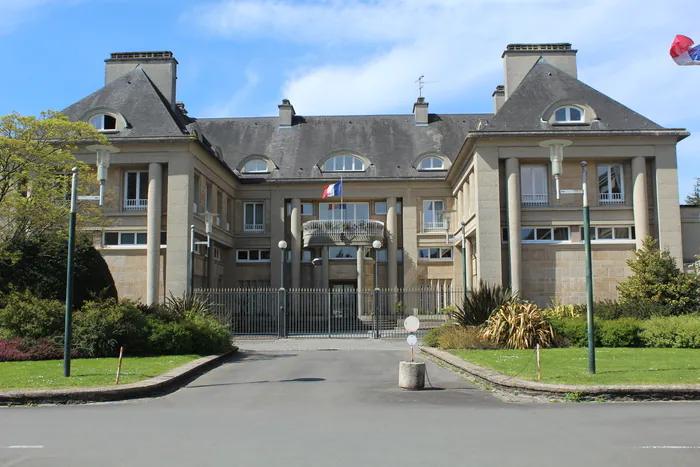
170	338
658	279
25	315
623	332
432	337
196	333
610	309
459	337
518	326
556	310
18	349
479	304
681	332
177	307
102	327
570	332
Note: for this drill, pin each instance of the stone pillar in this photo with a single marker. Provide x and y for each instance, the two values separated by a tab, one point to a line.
325	268
514	249
410	239
464	213
278	214
667	207
155	198
360	277
489	265
469	252
458	209
296	243
179	219
639	199
392	244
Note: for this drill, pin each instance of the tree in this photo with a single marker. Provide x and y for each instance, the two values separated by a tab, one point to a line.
36	159
658	279
693	199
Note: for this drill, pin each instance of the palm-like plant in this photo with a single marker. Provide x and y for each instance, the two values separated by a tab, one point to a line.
518	326
478	304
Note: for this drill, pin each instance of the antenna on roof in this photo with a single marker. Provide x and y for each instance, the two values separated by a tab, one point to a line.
421	84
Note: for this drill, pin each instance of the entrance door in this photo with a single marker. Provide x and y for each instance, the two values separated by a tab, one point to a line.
344	311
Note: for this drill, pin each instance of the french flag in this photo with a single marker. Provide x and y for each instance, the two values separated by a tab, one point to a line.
335	189
683	52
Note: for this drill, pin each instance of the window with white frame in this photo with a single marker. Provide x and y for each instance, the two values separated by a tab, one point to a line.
104	122
380	208
545	234
254	217
344	211
435	253
610	233
135	191
127	238
533	184
197	193
253	256
431	163
568	114
433	216
219	207
344	164
255	166
610	184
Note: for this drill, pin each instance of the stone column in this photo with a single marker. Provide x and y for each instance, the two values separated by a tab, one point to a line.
392	244
667	207
465	202
154	213
488	216
325	268
360	277
296	243
179	210
458	209
639	199
410	239
469	251
513	184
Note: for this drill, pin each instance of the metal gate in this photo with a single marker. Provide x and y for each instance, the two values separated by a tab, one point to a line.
341	311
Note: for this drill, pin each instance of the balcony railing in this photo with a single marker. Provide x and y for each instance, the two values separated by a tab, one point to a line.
611	198
342	231
438	226
135	204
535	200
257	228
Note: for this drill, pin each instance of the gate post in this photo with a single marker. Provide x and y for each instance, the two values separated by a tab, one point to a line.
282	313
376	313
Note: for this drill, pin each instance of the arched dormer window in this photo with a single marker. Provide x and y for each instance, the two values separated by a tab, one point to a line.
431	163
569	114
344	164
256	166
104	122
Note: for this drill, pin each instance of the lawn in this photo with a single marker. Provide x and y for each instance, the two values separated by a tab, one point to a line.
85	373
613	366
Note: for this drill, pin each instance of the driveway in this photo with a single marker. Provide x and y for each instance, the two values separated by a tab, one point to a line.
336	403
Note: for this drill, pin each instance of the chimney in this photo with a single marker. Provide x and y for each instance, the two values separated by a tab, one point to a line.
181	107
161	68
420	111
518	59
286	114
499	97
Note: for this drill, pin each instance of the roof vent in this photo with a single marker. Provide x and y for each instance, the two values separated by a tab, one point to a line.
420	111
286	114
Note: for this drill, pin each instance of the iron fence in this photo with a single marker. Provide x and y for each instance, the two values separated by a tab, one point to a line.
335	312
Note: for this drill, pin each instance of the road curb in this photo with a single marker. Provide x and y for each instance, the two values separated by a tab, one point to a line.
166	383
565	391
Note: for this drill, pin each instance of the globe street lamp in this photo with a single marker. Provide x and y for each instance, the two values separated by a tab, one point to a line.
282	246
376	245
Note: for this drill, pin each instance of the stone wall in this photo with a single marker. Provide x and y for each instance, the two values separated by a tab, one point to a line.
128	268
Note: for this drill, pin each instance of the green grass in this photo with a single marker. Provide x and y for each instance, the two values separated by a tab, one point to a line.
85	373
613	366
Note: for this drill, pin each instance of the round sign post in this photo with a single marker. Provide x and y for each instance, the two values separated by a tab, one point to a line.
412	324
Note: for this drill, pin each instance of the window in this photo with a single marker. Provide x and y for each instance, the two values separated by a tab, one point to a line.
136	191
217	253
398	207
380	207
254	217
612	233
219	207
345	211
381	255
342	252
253	256
306	256
431	163
125	238
533	184
208	195
344	164
433	217
435	253
568	115
197	193
104	122
610	187
229	213
504	234
255	166
545	234
399	255
307	209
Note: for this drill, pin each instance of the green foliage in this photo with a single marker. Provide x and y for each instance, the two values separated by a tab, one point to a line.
177	307
459	337
432	337
693	199
570	332
100	328
556	310
681	332
623	332
479	303
38	265
24	315
518	326
610	309
658	279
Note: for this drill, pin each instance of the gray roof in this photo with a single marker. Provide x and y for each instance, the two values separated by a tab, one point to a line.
391	143
545	85
134	96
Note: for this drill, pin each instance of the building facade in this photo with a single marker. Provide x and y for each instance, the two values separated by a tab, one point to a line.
450	197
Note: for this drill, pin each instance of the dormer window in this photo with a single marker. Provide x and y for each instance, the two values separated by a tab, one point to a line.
104	122
255	166
568	114
431	163
344	164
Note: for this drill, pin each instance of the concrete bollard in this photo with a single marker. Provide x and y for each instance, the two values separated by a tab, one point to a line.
412	375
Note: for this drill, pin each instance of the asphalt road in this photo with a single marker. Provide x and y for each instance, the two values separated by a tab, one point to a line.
298	403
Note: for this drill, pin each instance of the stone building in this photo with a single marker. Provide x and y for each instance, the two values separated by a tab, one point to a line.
410	181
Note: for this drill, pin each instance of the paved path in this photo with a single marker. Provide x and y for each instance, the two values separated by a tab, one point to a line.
301	403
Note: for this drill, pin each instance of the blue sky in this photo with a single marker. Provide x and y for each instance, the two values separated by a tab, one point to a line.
241	57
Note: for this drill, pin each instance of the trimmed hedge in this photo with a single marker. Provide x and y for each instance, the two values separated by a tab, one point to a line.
24	315
681	332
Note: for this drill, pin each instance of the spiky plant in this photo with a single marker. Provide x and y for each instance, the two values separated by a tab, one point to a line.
179	306
518	326
479	303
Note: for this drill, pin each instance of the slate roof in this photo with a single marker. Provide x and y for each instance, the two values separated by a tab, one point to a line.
543	86
392	143
133	95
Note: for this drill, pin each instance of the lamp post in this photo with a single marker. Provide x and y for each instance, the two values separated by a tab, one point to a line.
104	153
589	270
281	317
208	221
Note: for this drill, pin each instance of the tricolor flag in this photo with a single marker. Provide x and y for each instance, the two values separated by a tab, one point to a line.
335	189
683	52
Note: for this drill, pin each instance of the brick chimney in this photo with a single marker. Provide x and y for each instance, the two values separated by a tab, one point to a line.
286	114
518	59
161	68
420	111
